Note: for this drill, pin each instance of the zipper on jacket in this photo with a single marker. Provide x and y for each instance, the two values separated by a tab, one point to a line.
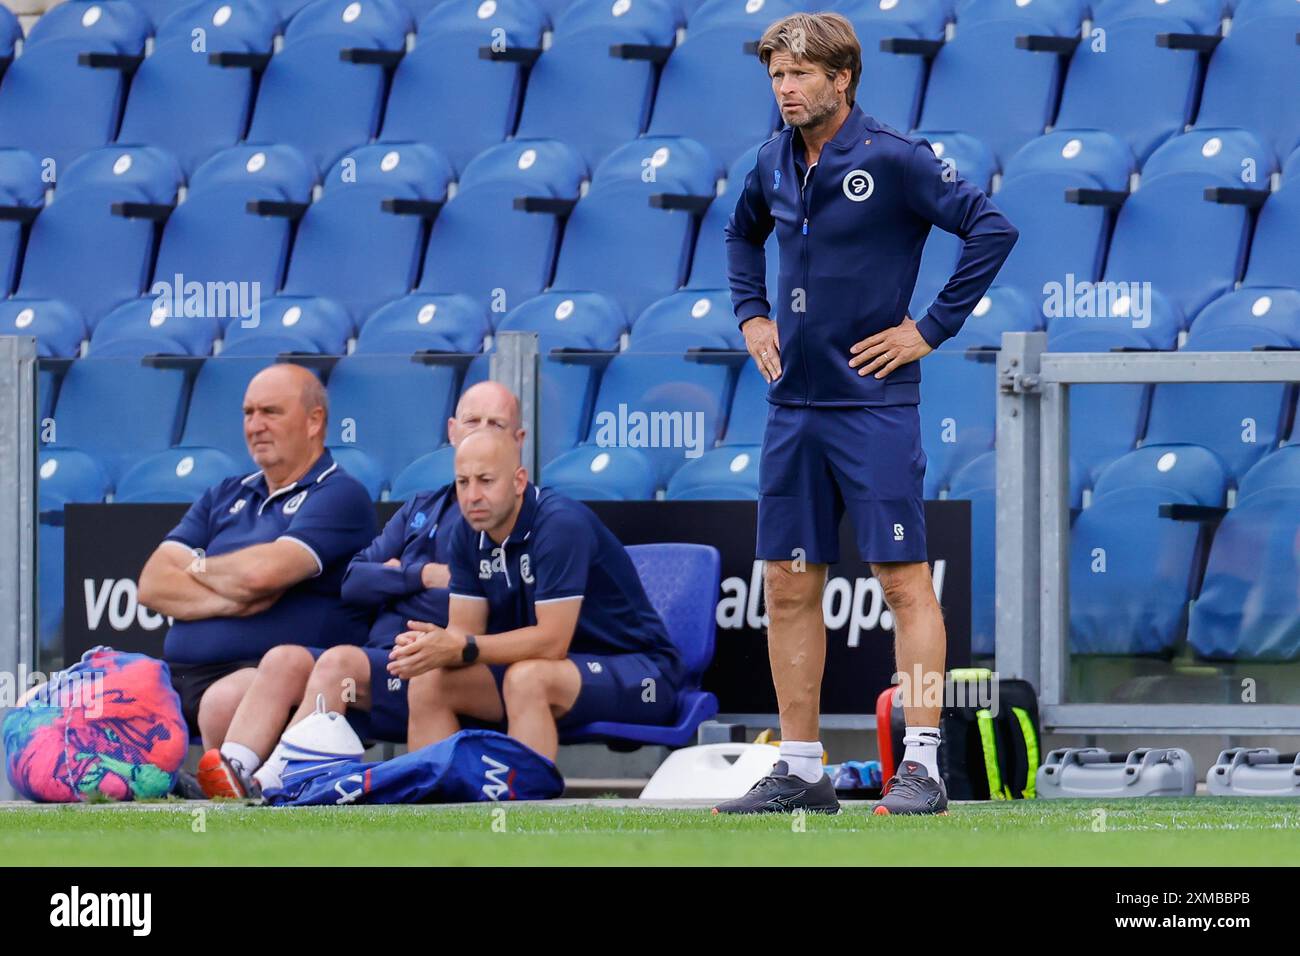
807	212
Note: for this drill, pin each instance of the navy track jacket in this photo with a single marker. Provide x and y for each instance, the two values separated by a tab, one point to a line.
850	246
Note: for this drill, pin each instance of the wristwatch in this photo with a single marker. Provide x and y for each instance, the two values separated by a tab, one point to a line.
470	654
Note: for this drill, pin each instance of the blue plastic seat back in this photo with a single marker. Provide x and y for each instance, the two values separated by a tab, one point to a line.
982	84
1273	310
926	18
364	390
662	164
1278	469
380	23
1273	261
1257	56
1227	154
65	477
482	246
723	474
418	323
1130	574
1082	152
707	313
964	155
657	19
1244	11
747	419
567	393
177	474
1203	16
958	414
310	324
57	327
753	15
739	111
97	25
1099	86
117	410
709	267
594	473
682	582
1043	16
150	326
427	473
280	172
1249	607
977	483
362	467
1194	472
1001	309
575	320
535	167
1238	421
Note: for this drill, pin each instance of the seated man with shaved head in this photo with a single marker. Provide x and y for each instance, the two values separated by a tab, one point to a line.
400	576
259	560
549	624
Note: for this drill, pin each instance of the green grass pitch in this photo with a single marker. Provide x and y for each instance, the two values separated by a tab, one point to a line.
1194	831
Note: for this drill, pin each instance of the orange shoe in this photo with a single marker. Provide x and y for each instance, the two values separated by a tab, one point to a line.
221	777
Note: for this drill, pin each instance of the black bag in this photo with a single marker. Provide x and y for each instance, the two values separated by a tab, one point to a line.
990	746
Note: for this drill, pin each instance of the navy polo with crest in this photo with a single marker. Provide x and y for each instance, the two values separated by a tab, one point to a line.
850	231
559	550
327	512
418	533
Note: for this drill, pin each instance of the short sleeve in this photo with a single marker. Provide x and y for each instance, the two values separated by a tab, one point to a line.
566	545
462	561
334	521
195	529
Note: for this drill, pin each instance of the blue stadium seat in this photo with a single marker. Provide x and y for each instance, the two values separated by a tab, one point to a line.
1240	422
314	326
481	244
663	408
1278	469
69	476
348	248
309	97
1291	169
1249	608
594	473
891	86
1105	420
1247	10
1050	16
1274	310
702	312
576	79
723	474
1259	55
446	57
1099	84
753	15
1001	309
740	109
1094	154
584	320
1224	153
925	18
977	483
20	186
1122	317
100	405
362	467
1131	571
969	158
82	255
1203	16
709	266
177	474
982	84
1273	261
616	243
181	102
365	389
51	105
958	414
682	582
148	327
57	326
215	417
426	323
427	473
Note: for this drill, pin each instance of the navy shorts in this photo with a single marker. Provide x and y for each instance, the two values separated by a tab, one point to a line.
819	462
387	717
620	688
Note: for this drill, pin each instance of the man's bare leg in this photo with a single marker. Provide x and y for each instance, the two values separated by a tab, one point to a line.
342	677
276	689
219	703
796	644
435	698
920	639
536	692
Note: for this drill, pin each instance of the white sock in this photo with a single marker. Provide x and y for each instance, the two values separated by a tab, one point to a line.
923	746
804	758
245	757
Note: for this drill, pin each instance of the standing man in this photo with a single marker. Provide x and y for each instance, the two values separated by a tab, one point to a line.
852	202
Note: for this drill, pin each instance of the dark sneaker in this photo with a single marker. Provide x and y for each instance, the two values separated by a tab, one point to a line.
782	792
912	790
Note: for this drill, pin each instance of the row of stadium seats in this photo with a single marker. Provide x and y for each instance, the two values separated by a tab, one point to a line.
628	253
342	72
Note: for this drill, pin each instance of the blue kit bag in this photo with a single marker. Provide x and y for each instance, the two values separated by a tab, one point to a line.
469	766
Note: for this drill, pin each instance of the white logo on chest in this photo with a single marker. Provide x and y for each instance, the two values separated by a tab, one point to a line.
525	569
858	185
294	503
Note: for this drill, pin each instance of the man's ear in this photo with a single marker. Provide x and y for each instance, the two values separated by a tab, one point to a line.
316	422
453	431
521	479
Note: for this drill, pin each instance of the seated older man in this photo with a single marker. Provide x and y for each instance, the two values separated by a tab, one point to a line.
258	561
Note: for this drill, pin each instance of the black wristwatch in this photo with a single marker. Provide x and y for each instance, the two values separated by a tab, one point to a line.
470	654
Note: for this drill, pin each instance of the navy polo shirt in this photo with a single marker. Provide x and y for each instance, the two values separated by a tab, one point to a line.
557	551
417	534
327	512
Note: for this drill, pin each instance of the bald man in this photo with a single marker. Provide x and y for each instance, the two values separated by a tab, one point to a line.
259	560
549	626
400	575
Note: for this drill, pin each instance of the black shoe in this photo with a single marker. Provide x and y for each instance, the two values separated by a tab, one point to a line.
782	792
187	787
913	791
